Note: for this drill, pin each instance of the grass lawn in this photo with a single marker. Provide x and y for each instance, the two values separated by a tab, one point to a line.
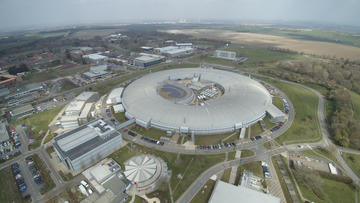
37	124
69	196
151	132
49	137
254	167
9	191
267	145
247	153
188	166
268	123
45	176
204	194
277	101
70	71
282	181
226	176
211	139
306	124
123	154
120	117
353	161
255	129
67	85
231	155
315	153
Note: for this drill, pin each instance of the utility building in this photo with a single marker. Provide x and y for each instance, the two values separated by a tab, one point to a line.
87	144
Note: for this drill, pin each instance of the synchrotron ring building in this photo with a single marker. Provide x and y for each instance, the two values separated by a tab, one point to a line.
196	101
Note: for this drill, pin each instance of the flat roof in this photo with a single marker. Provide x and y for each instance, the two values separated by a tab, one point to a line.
95	56
86	110
274	111
4	135
84	96
225	192
75	106
84	139
22	109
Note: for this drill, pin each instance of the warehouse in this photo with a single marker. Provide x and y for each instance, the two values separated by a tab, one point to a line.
146	60
174	51
96	72
115	96
95	58
86	144
21	112
225	192
275	114
4	135
229	55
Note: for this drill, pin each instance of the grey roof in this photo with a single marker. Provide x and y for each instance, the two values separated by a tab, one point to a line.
274	111
225	192
83	139
4	135
22	109
245	100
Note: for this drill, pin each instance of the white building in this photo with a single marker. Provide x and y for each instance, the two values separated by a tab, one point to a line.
96	72
115	96
225	192
230	55
175	51
275	114
95	58
146	60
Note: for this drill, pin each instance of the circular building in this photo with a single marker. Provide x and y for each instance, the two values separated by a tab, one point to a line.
145	172
196	100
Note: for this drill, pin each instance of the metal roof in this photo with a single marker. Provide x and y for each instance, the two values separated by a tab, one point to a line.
245	100
225	192
140	168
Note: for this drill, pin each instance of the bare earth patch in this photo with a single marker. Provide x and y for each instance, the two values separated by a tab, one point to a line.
306	46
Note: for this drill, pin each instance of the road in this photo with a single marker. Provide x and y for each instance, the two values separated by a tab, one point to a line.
256	146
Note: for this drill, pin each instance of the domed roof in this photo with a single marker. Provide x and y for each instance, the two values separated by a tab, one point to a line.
140	168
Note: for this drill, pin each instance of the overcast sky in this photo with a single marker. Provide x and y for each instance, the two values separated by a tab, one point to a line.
15	14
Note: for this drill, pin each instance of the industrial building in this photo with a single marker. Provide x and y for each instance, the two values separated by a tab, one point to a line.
146	60
174	51
78	110
107	179
95	58
275	114
225	192
96	72
29	89
196	101
145	172
4	135
115	96
86	144
184	44
229	55
21	112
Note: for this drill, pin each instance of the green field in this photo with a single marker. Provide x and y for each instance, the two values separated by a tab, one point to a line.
9	191
123	154
37	124
211	139
151	132
256	57
277	101
204	194
255	129
226	175
305	102
353	161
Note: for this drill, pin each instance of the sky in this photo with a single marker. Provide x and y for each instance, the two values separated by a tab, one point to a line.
17	14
